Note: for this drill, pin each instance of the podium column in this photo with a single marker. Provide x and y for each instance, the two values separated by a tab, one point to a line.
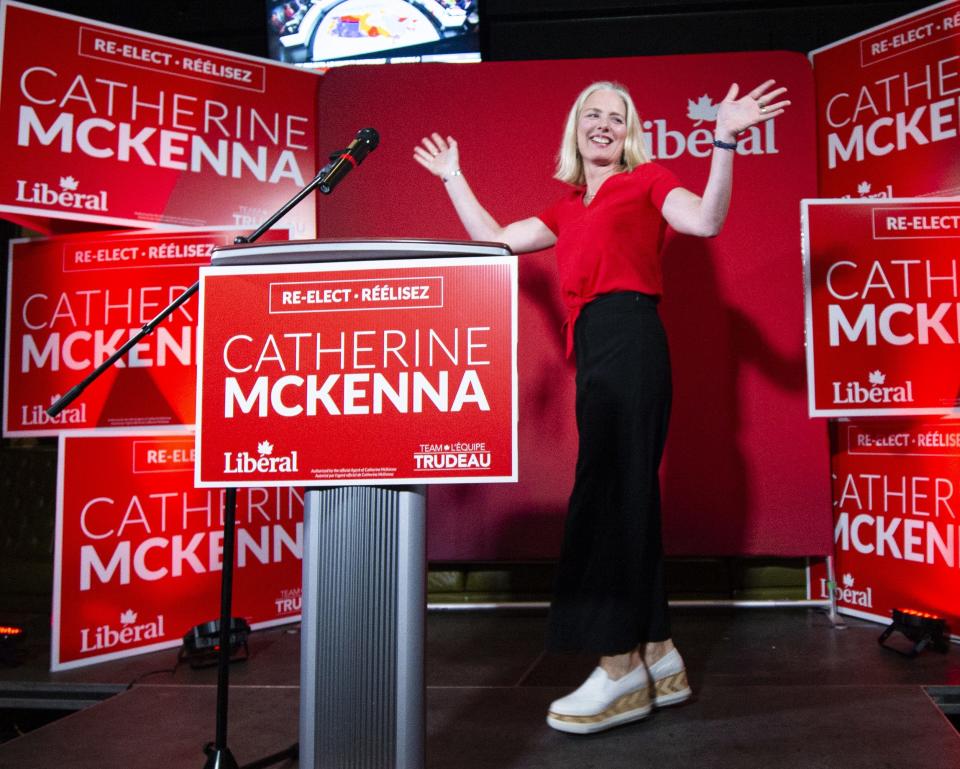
362	646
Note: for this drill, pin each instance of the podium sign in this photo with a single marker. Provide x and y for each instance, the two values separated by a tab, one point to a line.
384	371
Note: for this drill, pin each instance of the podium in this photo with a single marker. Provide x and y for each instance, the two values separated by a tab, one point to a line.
364	371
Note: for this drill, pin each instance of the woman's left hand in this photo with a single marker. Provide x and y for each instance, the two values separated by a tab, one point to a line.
759	105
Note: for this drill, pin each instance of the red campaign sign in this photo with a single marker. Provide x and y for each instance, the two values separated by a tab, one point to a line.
352	373
882	306
896	503
139	551
887	108
73	300
105	124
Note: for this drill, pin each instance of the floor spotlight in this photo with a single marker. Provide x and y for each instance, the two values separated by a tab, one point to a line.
922	628
11	645
201	644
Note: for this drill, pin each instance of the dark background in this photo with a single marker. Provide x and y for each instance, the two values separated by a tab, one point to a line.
545	29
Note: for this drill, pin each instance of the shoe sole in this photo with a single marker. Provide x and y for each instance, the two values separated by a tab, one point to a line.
671	690
632	706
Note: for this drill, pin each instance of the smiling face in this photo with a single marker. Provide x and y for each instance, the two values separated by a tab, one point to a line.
602	128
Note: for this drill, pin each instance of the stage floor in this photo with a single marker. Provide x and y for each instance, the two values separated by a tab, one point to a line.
773	688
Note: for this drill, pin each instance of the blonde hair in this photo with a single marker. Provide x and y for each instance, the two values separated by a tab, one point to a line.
569	162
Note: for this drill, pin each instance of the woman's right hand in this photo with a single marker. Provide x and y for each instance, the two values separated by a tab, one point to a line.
438	155
441	158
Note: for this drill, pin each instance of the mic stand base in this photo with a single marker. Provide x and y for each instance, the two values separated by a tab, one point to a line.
219	758
292	753
222	758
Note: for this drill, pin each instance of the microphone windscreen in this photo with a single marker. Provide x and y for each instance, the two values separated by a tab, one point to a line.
370	137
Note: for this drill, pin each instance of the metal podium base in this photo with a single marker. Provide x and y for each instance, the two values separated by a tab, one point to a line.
362	647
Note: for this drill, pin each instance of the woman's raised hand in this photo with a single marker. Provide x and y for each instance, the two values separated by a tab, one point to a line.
759	105
438	155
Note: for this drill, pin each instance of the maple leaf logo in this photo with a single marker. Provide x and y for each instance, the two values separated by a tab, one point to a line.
702	109
877	377
265	448
128	617
848	580
54	398
863	189
68	183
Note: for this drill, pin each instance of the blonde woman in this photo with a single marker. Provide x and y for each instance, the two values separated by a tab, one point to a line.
608	232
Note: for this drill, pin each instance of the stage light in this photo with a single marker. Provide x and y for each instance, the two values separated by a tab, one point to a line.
11	644
201	644
922	628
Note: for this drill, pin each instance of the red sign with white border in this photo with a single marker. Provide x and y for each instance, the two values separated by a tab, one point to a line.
338	373
73	300
882	306
896	503
138	550
887	109
106	124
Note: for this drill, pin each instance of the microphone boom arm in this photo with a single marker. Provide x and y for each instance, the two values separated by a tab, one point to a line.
321	178
286	208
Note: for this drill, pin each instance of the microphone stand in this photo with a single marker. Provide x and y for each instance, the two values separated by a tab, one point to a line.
74	392
218	754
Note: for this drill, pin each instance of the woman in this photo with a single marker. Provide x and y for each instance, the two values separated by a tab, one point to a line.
608	231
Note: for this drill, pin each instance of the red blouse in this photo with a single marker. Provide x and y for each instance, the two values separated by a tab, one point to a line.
614	243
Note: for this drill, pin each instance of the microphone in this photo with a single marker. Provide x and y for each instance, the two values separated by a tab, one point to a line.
365	142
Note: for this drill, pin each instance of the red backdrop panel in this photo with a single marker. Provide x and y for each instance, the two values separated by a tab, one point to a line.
746	472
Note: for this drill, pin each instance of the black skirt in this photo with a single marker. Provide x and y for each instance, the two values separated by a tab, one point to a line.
610	594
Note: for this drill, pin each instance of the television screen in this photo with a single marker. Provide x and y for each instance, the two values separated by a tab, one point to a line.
326	33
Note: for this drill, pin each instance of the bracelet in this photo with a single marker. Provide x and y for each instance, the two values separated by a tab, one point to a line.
458	172
724	145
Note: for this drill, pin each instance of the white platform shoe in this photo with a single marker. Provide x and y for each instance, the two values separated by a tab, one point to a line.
601	703
670	686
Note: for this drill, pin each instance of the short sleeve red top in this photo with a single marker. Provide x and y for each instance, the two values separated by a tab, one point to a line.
614	243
